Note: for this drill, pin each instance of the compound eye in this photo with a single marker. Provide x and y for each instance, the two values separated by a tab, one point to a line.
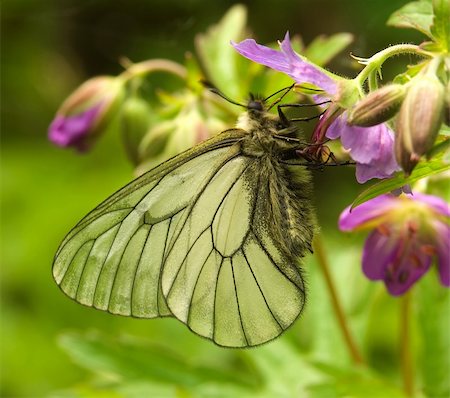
255	106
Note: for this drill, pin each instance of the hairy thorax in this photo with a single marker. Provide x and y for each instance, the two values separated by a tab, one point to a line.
286	190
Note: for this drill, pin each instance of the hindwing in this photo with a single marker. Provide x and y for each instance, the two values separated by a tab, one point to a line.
186	240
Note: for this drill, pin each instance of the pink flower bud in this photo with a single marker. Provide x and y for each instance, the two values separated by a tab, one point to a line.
85	112
378	107
419	120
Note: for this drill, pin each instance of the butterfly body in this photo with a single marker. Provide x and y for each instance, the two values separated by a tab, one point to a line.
212	237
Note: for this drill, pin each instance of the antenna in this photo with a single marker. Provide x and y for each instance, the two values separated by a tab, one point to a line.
215	90
289	88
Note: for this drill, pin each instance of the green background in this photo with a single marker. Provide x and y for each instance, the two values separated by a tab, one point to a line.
48	49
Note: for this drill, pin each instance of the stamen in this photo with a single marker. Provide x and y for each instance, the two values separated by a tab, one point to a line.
412	227
429	250
415	260
384	230
403	276
389	273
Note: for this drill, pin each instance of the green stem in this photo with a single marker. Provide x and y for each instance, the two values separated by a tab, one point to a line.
377	60
337	306
154	65
405	346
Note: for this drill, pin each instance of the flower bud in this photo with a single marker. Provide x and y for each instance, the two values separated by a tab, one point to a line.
85	112
405	158
447	105
378	107
135	120
419	120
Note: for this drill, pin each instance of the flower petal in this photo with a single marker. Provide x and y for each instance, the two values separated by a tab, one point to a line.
303	71
368	211
287	61
379	251
438	204
73	130
398	263
412	265
263	55
443	252
371	147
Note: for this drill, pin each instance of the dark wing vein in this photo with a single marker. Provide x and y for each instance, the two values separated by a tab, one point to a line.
73	258
215	299
208	227
237	302
196	199
104	261
259	287
82	228
111	290
84	266
269	256
162	262
195	285
159	172
184	259
166	167
137	269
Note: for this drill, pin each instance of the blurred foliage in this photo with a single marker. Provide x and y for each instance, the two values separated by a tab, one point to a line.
54	347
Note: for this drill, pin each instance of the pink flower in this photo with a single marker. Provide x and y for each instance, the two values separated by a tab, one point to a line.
80	117
371	147
408	232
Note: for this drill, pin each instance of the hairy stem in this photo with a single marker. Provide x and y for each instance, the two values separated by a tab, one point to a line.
154	65
405	349
337	306
376	61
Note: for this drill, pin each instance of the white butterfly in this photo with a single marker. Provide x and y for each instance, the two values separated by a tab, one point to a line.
212	237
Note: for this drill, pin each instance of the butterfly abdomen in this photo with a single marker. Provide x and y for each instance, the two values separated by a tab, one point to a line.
287	206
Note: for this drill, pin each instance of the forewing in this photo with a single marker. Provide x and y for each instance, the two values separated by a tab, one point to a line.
223	275
112	259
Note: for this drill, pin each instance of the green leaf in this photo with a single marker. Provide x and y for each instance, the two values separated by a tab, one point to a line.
217	55
323	49
125	359
347	382
411	71
433	302
417	15
441	24
283	369
422	170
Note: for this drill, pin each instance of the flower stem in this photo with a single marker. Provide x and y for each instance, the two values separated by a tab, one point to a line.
405	349
342	321
376	61
154	65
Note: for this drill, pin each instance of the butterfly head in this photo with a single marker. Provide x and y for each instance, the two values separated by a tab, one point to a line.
256	104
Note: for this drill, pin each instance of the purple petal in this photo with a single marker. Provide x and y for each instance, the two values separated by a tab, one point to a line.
399	263
438	204
287	61
368	211
407	269
379	251
303	71
263	55
73	130
443	252
371	147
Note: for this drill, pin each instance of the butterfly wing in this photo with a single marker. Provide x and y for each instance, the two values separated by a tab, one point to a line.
189	239
112	259
223	275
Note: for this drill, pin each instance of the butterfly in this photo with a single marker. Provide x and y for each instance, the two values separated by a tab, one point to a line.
213	237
